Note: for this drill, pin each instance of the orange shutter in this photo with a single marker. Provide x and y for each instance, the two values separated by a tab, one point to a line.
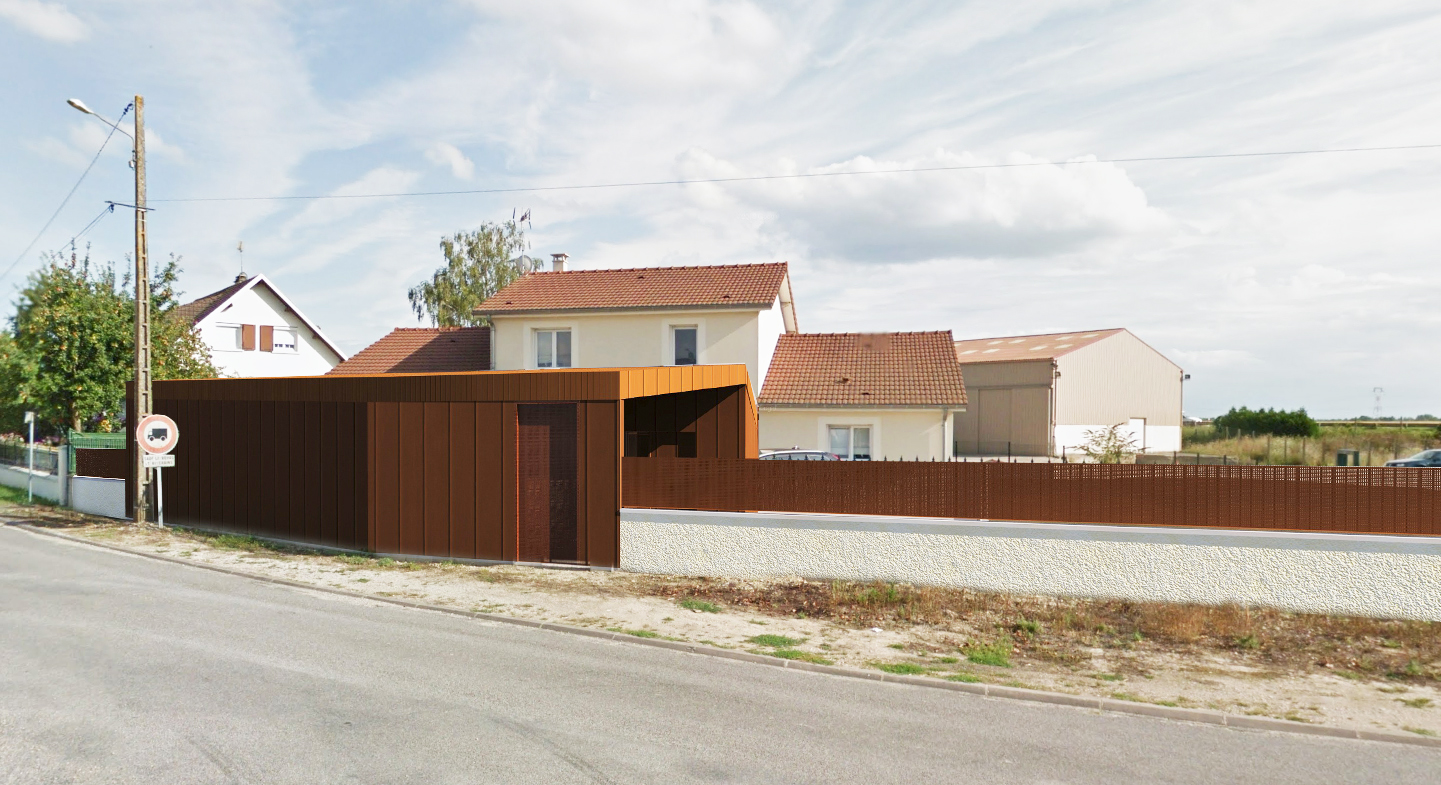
267	338
247	337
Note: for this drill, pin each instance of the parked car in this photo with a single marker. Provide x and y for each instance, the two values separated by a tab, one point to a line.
800	455
1423	458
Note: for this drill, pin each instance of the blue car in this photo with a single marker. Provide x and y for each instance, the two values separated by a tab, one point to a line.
1423	458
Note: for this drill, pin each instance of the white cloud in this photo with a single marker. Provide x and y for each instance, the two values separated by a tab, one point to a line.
51	21
442	154
884	215
381	180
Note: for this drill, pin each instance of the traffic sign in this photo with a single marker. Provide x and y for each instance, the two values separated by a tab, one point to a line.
157	461
157	434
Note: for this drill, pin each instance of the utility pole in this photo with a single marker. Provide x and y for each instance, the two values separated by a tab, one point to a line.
143	402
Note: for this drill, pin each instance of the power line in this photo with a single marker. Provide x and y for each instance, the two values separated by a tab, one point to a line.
66	200
805	175
109	208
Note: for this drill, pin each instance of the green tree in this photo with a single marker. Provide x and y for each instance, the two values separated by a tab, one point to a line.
71	345
1276	422
477	265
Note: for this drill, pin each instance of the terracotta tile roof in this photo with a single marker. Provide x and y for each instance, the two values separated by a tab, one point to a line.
422	350
1028	347
864	369
644	287
196	310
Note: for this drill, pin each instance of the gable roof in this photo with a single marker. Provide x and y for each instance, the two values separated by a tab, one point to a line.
422	350
719	286
1028	347
864	369
197	311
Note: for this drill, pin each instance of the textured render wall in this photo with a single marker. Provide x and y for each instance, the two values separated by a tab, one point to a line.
1364	575
98	496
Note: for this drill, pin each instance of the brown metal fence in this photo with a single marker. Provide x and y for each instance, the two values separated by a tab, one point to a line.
113	464
1299	498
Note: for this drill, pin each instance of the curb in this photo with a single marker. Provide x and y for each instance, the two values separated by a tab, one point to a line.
1203	716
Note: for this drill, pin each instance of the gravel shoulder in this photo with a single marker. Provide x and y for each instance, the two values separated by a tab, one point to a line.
1327	672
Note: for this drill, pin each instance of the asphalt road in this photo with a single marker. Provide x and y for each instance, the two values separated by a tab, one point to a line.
117	669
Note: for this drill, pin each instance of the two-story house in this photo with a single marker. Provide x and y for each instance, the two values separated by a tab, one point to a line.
252	329
653	316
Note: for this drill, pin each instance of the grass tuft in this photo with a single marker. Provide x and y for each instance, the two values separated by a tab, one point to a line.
803	656
636	633
692	604
1416	703
900	668
1418	731
996	654
776	641
964	677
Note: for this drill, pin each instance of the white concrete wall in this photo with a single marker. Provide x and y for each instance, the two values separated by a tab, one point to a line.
633	339
47	486
895	433
1354	574
98	496
259	306
1157	438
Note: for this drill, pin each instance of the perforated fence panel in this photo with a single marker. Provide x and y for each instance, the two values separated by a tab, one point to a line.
1295	498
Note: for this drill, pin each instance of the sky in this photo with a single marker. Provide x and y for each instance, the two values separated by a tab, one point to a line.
1286	281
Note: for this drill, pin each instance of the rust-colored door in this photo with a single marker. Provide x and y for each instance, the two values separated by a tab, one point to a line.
547	442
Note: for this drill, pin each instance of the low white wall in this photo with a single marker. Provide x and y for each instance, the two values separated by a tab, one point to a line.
1352	574
47	486
98	496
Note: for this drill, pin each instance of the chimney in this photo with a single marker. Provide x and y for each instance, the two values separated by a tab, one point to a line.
557	262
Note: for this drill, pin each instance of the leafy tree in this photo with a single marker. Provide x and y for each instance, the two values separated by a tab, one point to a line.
70	350
477	265
1269	421
1109	445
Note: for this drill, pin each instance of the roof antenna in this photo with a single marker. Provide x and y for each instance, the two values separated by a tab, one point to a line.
240	253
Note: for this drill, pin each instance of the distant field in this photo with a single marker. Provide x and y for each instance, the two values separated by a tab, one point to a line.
1378	441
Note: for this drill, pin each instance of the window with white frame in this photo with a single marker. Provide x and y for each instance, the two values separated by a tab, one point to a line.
226	338
851	442
284	341
552	348
683	343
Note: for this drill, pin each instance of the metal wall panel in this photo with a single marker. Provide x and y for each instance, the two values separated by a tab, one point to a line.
412	478
387	477
329	472
436	499
602	521
460	481
1285	498
490	481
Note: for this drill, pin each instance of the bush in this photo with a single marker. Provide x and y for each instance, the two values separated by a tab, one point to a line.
1269	421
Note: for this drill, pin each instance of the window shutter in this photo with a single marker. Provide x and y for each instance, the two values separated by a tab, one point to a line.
247	337
267	338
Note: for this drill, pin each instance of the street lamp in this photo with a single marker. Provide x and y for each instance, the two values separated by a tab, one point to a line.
143	402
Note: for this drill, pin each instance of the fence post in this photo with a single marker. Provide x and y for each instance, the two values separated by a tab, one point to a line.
62	473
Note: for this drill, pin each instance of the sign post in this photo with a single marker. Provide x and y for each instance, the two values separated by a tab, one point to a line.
30	466
157	435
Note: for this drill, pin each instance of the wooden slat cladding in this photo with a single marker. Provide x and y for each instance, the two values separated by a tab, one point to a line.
272	469
1285	498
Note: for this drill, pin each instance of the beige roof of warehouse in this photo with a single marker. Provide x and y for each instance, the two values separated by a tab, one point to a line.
1028	347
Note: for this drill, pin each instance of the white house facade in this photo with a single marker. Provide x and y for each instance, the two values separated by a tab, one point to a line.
253	330
660	316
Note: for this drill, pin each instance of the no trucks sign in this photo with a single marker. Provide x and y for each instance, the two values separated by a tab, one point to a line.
157	434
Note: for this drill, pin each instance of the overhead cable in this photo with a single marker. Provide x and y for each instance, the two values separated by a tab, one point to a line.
797	176
66	200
